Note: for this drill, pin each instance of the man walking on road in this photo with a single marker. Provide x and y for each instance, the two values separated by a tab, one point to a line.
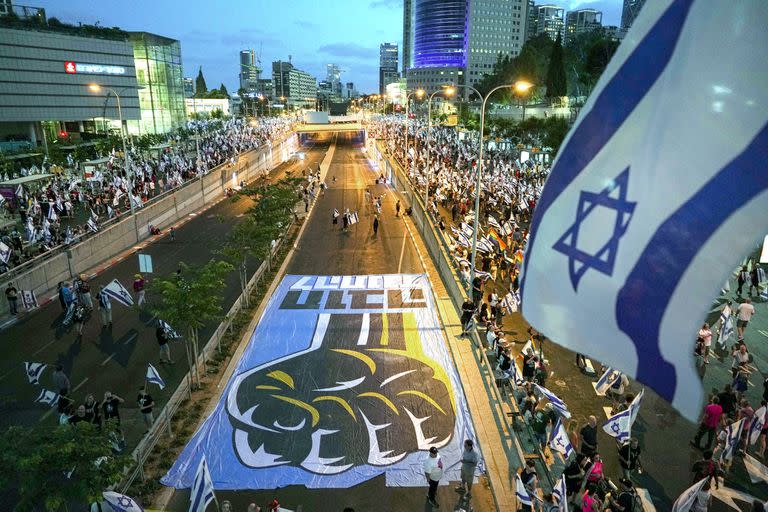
138	288
468	465
397	208
375	225
162	340
744	315
105	308
710	420
146	404
60	380
433	470
13	298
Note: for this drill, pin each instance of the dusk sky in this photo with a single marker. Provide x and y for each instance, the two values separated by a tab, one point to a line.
315	33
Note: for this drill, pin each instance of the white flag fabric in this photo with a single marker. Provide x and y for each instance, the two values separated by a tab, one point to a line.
523	497
624	233
732	439
607	380
353	218
29	299
92	225
121	502
47	397
758	422
686	500
560	492
118	292
620	424
555	401
170	332
559	440
154	377
726	329
202	489
34	371
5	252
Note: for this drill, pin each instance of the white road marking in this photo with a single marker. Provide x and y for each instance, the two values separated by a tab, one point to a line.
80	385
133	337
108	359
402	253
764	333
43	347
8	322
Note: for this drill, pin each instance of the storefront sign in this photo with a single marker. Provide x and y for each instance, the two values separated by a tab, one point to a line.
92	69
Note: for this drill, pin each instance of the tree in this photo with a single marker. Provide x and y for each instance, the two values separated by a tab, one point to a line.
557	85
200	88
54	467
223	89
190	299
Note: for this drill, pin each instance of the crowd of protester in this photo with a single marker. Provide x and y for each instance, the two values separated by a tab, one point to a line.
67	206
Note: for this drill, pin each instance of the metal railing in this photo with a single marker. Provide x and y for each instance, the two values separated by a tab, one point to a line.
439	251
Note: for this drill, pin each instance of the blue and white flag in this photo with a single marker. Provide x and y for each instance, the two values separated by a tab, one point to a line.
607	380
92	225
756	427
5	252
482	275
494	223
624	232
560	492
47	397
510	302
121	502
619	426
169	331
559	440
685	501
726	329
555	401
117	291
523	497
462	239
732	439
202	490
154	377
34	371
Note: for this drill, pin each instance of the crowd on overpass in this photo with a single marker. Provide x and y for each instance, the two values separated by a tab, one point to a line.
67	207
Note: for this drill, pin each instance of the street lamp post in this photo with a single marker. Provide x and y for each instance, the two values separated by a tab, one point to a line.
519	86
448	91
419	93
129	175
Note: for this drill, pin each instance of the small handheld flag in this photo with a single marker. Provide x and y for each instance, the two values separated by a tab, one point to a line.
619	426
732	439
523	497
757	425
560	492
170	333
685	501
154	377
202	490
555	401
47	397
121	502
118	292
34	371
607	380
559	440
5	252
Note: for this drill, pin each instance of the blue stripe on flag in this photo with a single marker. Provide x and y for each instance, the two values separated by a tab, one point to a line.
612	107
641	302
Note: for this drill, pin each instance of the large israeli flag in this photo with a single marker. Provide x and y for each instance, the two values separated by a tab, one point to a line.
559	440
684	502
523	496
664	168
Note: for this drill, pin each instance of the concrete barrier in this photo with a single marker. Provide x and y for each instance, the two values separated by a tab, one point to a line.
162	212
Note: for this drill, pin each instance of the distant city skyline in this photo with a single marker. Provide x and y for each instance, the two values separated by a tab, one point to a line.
314	33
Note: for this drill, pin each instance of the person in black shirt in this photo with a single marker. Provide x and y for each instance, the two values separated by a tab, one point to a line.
92	410
467	311
588	436
80	415
574	474
629	457
727	400
12	294
625	501
111	407
146	404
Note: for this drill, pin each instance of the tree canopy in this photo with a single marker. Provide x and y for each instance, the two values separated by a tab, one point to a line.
200	87
557	85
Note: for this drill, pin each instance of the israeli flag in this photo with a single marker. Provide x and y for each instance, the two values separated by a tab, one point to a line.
559	441
353	218
34	371
726	329
560	492
482	275
522	493
625	219
115	290
47	397
121	502
555	401
92	225
154	377
335	213
202	490
607	380
170	333
758	422
463	240
732	440
494	223
509	303
619	426
686	500
507	229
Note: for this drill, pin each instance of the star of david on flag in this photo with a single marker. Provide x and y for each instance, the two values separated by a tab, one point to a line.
559	441
607	380
756	427
626	215
34	371
121	502
732	440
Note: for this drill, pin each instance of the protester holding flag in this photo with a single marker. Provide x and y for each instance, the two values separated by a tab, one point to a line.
146	405
629	458
707	467
530	481
162	340
12	295
105	308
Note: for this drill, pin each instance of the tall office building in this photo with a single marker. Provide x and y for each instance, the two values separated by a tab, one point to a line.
459	41
548	19
387	66
407	36
629	12
298	87
333	77
250	71
189	87
582	21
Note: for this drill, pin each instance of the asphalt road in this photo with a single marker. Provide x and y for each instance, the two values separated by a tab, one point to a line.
116	360
325	250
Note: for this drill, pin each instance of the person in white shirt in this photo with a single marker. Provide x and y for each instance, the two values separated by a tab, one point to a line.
744	315
433	470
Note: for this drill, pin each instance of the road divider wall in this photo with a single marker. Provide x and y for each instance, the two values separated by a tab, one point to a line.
161	212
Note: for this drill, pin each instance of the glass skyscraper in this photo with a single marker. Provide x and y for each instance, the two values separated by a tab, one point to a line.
440	33
161	85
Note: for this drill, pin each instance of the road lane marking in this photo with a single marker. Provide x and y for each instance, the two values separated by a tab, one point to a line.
43	347
108	359
132	337
402	253
80	385
764	333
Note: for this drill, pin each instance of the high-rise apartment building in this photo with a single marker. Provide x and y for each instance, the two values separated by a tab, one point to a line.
458	41
582	21
299	88
407	36
387	66
629	12
250	71
548	19
189	87
333	77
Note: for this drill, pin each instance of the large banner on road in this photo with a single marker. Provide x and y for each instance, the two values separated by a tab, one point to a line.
344	379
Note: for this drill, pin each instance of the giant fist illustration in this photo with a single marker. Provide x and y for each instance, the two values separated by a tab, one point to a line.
364	392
